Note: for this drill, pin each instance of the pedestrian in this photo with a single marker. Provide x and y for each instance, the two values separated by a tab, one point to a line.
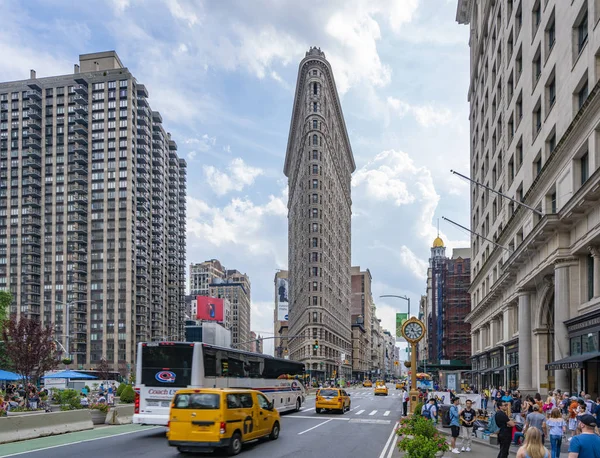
558	427
405	398
533	446
429	410
536	420
454	424
573	412
586	444
505	425
467	418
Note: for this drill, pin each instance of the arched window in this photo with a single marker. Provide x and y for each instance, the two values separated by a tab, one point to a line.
315	140
315	124
315	88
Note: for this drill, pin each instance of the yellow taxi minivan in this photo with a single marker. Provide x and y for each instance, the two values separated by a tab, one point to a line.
206	419
399	386
332	399
367	384
381	388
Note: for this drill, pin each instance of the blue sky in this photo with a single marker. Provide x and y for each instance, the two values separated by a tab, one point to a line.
223	74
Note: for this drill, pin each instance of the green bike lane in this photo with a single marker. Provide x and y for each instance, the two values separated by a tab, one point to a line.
49	442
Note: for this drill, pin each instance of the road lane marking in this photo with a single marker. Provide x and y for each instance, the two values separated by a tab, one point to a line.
369	421
387	412
316	417
314	427
387	444
359	412
373	413
306	410
354	408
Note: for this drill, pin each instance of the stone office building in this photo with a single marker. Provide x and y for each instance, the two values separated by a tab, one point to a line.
535	137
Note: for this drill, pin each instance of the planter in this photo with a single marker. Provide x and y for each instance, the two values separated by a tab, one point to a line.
98	417
440	454
21	414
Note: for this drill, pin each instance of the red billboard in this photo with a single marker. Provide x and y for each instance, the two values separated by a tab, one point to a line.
209	308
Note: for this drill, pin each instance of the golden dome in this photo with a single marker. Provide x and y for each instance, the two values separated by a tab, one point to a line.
438	242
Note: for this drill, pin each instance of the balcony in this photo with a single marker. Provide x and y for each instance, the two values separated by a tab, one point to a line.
30	191
81	89
34	104
34	113
81	129
77	178
79	139
30	162
31	172
36	201
80	148
142	102
34	124
81	109
77	228
34	153
32	143
77	168
81	99
34	94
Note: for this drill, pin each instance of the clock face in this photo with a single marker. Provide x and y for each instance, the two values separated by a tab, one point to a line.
413	331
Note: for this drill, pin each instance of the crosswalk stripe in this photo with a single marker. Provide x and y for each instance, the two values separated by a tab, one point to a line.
387	412
373	413
359	412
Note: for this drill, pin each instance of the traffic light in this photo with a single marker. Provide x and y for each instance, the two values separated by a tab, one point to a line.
316	345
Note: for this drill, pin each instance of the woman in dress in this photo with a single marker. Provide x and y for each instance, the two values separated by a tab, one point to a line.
533	447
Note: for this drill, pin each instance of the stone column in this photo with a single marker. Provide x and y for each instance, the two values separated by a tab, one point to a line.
595	251
493	331
525	350
562	312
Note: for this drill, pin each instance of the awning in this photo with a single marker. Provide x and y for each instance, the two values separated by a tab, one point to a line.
572	362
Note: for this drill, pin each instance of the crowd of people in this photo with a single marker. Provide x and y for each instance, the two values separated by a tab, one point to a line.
533	420
13	396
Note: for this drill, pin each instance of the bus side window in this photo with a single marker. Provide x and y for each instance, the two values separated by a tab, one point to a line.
210	365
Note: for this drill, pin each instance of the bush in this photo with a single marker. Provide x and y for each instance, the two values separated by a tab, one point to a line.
418	408
120	389
419	438
127	395
69	400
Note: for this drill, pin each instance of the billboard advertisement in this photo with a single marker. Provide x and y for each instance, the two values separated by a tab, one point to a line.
209	308
282	299
400	319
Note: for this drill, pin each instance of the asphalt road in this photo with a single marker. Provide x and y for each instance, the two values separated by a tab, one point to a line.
366	432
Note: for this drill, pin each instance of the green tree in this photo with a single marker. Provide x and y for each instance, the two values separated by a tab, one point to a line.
5	300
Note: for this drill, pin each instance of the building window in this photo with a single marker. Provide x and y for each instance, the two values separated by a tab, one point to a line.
590	277
315	88
315	155
537	165
315	198
536	16
552	92
584	166
582	95
553	202
551	33
315	140
537	67
315	107
582	32
537	120
315	184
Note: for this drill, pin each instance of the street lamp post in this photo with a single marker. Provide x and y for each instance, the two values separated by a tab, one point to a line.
406	298
68	306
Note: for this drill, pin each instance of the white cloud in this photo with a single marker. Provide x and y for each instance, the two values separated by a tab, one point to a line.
119	6
425	115
204	143
240	175
183	11
241	223
417	266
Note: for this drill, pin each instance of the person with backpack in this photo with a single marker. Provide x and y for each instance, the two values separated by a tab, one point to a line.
467	417
454	424
429	411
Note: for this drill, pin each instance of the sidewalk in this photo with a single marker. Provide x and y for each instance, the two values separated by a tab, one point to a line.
482	445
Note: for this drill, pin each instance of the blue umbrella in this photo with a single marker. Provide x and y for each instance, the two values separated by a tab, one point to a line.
70	375
9	376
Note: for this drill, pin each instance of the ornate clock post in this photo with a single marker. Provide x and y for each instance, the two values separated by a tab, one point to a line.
413	330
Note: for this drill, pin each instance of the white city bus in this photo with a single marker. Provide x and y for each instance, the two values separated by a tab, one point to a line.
164	367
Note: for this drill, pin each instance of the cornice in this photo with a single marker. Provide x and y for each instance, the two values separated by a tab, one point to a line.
565	262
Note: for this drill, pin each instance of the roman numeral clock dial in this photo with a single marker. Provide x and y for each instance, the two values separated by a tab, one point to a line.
413	330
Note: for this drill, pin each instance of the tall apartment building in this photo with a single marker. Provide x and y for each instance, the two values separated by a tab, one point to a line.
360	310
447	303
535	117
280	314
235	287
203	274
92	210
319	164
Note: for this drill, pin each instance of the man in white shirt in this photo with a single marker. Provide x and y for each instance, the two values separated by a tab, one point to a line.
405	398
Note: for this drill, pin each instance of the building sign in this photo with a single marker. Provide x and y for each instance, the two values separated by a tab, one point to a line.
566	365
445	362
400	319
283	304
584	324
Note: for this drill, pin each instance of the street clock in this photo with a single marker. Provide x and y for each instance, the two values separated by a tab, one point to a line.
413	330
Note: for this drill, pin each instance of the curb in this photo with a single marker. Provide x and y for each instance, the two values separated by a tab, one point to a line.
447	432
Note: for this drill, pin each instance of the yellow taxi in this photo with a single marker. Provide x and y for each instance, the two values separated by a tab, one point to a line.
206	419
381	388
399	385
332	399
367	384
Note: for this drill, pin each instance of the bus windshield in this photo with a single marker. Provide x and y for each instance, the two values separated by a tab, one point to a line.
167	365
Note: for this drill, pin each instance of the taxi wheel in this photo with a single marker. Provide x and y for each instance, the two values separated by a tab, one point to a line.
318	410
298	404
274	432
235	444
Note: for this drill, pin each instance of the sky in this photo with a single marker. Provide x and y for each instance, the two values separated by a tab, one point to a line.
223	75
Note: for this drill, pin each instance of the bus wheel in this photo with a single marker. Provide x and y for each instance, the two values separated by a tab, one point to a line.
298	404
